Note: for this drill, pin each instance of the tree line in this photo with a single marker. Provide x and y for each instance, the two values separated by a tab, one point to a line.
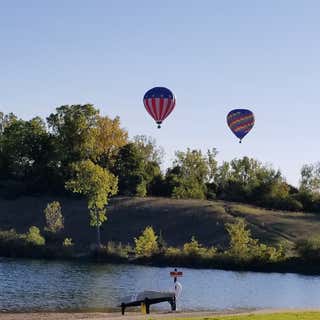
74	145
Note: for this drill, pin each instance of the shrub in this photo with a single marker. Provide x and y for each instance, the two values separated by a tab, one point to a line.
309	249
193	248
146	245
54	218
11	235
33	236
240	238
244	248
173	252
67	242
118	249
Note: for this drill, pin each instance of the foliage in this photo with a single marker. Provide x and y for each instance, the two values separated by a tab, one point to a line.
244	248
310	178
38	156
197	250
67	242
129	169
118	249
190	173
108	137
97	185
146	244
54	217
148	149
309	249
72	126
138	167
33	236
26	152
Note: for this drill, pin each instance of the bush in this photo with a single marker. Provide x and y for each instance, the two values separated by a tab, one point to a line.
146	245
67	242
54	218
11	235
33	236
118	249
244	248
309	249
173	252
193	248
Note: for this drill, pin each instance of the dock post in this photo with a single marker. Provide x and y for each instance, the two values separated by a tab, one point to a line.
173	304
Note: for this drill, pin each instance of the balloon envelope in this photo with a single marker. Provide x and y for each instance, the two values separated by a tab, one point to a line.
159	102
240	121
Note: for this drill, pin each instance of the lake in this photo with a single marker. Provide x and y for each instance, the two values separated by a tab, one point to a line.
35	285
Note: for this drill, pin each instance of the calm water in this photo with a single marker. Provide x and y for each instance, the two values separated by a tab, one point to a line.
40	285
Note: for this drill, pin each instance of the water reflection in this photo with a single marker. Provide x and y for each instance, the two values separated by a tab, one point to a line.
42	285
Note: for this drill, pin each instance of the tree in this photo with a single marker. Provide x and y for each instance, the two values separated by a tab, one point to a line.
54	218
191	172
72	127
6	120
148	148
109	137
310	178
26	150
97	185
146	244
129	168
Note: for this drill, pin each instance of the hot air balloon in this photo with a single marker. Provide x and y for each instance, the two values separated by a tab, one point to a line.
159	102
240	121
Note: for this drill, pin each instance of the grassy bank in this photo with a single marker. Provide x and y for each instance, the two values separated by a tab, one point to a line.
177	221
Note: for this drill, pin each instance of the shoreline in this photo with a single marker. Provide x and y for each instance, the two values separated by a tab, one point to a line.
57	315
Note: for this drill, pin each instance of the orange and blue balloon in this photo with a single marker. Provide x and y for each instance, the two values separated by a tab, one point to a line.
159	102
240	121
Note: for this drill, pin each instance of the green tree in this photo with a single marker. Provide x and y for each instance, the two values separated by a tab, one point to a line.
97	185
310	178
148	148
54	217
146	244
190	173
129	168
72	127
26	150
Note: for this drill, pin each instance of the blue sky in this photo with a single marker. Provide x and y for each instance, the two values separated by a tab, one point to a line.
214	55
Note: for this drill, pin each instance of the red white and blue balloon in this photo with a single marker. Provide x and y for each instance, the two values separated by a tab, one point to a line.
240	121
159	102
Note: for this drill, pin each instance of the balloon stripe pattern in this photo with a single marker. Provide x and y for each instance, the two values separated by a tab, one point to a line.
159	102
240	121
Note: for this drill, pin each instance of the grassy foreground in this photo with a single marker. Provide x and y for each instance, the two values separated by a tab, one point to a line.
274	316
277	316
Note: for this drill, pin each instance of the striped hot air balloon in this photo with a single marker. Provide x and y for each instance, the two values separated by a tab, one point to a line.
240	121
159	102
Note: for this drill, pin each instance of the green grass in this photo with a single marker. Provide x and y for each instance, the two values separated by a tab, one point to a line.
274	316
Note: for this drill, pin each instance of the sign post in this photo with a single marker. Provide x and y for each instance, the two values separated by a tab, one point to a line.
177	285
